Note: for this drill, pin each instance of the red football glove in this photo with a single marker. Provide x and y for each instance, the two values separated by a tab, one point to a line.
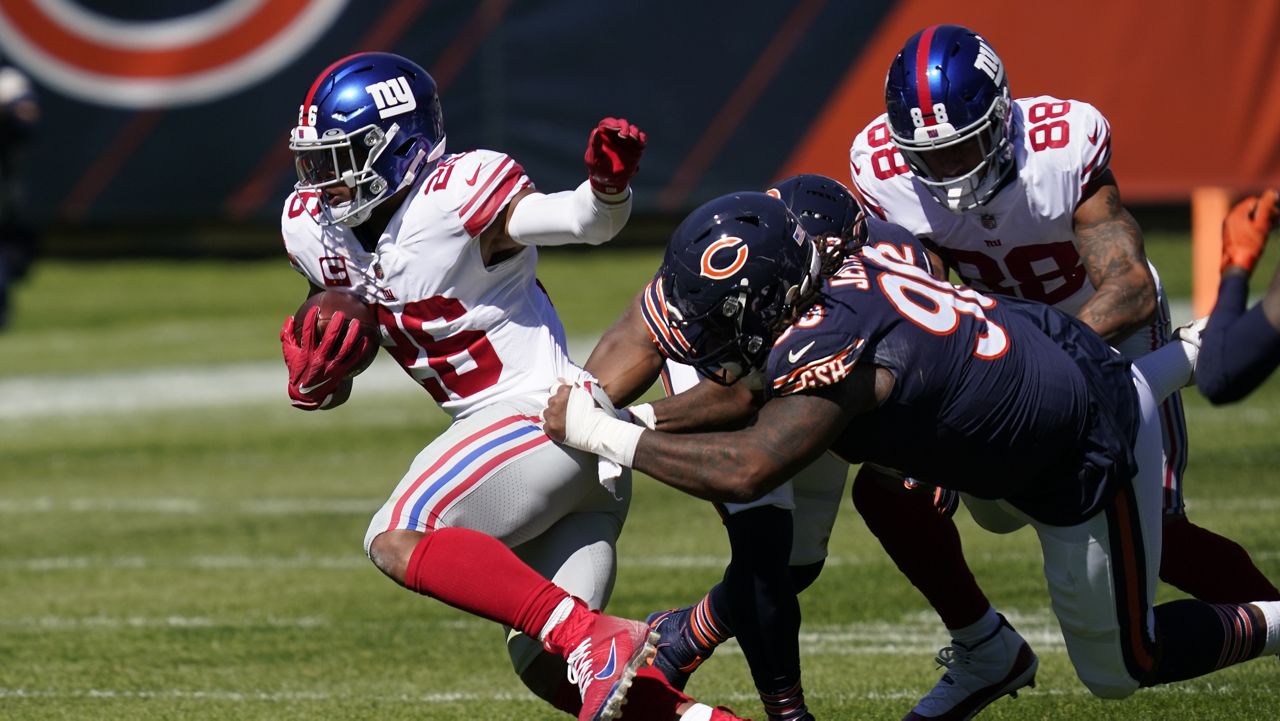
1245	230
317	370
613	155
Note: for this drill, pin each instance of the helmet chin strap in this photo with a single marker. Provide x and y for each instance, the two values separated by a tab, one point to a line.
358	218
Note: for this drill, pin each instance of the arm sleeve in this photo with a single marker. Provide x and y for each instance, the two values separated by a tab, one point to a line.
571	216
1240	349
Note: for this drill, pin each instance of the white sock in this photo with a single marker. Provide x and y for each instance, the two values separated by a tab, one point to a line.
697	712
978	630
1271	611
1168	368
558	615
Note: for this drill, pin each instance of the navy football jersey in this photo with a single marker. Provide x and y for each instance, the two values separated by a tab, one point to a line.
993	396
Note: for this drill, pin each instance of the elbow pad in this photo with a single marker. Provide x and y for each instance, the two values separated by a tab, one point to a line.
570	216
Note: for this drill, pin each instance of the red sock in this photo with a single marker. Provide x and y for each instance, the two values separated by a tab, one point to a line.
1211	568
444	566
924	545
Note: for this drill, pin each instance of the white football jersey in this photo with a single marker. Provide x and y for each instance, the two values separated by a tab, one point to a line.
469	334
1021	242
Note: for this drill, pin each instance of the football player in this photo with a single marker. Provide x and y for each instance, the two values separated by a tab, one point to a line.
19	117
1019	406
756	601
445	247
1017	197
1241	349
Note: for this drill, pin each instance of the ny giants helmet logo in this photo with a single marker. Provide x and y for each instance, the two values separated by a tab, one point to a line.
393	97
988	62
714	272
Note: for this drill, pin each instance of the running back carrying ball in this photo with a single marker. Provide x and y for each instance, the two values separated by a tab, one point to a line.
341	354
332	301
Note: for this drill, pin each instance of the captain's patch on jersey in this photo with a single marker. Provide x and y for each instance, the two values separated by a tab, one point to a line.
333	268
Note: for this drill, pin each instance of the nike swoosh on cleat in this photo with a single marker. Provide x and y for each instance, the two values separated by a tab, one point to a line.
795	355
306	390
611	665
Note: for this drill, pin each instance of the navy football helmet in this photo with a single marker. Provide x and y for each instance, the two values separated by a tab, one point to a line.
735	272
823	206
370	125
950	114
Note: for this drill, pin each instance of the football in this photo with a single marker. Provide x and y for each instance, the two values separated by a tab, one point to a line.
332	301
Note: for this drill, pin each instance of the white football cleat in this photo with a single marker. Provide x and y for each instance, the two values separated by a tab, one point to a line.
996	666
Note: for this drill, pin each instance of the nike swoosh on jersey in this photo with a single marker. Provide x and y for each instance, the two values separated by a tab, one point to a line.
474	176
797	354
1093	137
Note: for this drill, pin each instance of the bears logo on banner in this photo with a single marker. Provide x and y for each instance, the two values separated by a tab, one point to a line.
185	60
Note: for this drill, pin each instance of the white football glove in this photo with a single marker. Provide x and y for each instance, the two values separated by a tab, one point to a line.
640	414
590	428
1190	335
1173	365
1191	332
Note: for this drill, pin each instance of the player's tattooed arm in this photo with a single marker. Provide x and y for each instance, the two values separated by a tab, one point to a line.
1110	245
626	361
788	434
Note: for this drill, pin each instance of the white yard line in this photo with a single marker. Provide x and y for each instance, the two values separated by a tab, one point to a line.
166	505
916	633
291	506
109	623
345	562
123	393
1186	688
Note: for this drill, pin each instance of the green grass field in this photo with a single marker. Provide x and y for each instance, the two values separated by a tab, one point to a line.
166	559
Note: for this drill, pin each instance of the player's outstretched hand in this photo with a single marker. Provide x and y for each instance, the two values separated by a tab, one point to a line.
613	155
1244	232
319	366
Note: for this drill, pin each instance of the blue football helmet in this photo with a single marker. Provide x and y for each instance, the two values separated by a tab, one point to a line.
735	272
823	206
950	114
370	125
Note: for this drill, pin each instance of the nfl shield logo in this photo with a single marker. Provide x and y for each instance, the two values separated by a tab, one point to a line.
988	221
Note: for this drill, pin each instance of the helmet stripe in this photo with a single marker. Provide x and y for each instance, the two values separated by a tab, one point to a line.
311	94
923	96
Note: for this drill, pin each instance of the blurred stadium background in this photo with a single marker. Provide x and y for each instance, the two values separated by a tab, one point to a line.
166	119
179	543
